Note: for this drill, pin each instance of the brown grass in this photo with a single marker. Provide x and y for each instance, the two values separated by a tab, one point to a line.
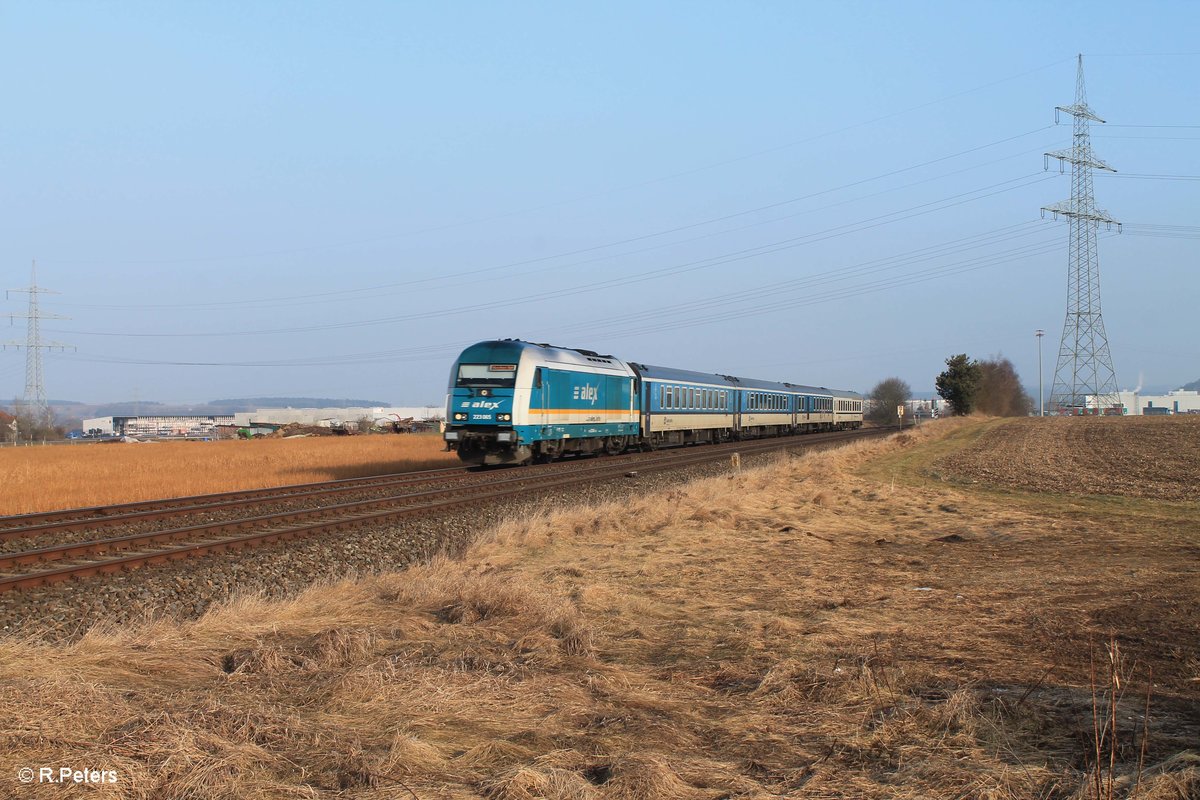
818	628
49	478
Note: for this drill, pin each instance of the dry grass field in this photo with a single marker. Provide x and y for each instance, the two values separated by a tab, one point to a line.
861	623
50	478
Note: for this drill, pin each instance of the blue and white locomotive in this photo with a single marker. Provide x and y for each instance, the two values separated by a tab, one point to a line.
513	402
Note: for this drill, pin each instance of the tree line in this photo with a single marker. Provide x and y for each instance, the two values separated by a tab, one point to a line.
990	386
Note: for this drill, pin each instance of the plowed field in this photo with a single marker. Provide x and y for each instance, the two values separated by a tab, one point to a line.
1148	457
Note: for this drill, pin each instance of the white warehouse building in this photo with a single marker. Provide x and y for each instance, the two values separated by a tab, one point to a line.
327	417
1180	401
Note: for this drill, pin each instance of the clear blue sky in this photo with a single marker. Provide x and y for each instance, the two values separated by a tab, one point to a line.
246	199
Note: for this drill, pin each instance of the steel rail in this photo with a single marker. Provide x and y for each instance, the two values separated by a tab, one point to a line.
96	518
348	515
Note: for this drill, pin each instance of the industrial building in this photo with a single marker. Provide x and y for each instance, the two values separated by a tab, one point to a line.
1180	401
159	426
156	426
332	417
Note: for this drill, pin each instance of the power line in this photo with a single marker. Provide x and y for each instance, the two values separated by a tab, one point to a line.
833	294
1116	125
427	352
351	294
1153	177
643	276
920	255
594	195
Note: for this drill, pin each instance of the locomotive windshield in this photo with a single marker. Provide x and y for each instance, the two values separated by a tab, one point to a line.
496	376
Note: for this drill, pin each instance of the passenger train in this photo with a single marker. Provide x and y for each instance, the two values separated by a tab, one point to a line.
515	402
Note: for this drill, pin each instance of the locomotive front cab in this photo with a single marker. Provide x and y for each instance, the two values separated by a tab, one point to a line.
479	412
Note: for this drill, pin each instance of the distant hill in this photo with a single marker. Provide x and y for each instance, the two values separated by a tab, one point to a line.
1194	386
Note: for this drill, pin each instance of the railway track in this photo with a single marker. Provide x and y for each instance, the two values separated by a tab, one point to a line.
405	495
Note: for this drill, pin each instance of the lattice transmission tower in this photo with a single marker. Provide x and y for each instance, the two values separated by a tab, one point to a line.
34	400
1084	381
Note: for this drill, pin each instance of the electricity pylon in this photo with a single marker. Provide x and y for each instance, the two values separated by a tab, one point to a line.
1084	381
34	400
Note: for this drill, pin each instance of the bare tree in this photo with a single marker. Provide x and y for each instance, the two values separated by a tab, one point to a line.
885	397
1000	391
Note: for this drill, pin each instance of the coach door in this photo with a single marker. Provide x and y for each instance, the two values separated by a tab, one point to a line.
737	412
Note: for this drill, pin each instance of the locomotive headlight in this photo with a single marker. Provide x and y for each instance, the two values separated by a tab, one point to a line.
504	417
460	416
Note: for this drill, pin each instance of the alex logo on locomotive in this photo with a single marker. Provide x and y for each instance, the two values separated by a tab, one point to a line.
586	392
491	405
